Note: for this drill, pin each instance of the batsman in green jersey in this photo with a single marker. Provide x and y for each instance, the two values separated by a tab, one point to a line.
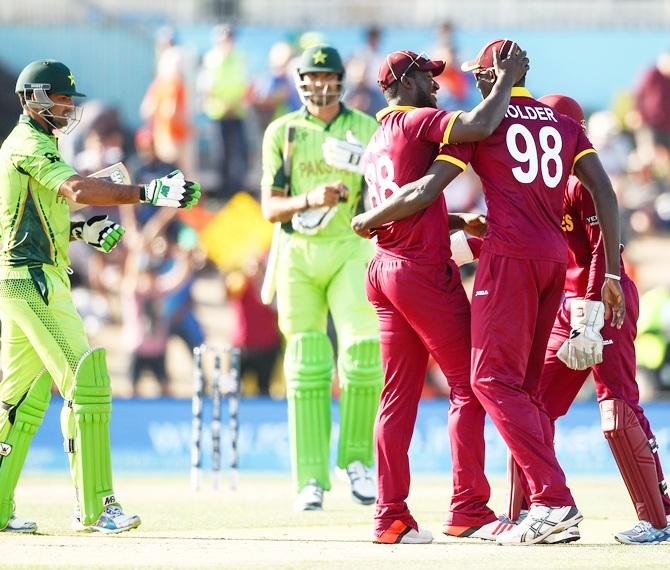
43	337
321	267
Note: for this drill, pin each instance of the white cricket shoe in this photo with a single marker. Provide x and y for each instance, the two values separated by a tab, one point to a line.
401	533
563	537
310	498
112	520
361	479
540	523
15	524
644	533
488	531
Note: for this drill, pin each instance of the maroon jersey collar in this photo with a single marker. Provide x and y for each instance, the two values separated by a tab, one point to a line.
521	92
403	108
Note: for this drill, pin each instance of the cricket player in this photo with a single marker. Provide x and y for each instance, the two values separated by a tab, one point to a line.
524	167
321	268
576	348
43	338
417	292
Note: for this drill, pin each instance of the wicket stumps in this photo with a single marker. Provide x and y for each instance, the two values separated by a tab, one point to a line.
221	388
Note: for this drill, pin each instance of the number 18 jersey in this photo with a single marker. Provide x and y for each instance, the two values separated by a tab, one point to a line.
524	167
402	150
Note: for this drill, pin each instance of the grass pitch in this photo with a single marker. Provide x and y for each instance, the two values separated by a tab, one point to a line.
255	528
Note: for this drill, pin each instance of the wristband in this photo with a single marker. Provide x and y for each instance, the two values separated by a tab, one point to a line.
610	276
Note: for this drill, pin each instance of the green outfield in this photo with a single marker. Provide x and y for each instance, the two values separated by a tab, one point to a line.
255	528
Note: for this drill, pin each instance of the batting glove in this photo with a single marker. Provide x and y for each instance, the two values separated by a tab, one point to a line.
584	348
98	232
171	191
344	154
461	252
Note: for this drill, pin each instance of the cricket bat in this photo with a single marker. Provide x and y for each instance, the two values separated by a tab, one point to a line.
269	287
117	173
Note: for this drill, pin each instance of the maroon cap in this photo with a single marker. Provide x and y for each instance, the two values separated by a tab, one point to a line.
564	105
485	58
398	63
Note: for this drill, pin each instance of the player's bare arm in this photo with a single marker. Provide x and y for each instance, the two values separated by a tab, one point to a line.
471	223
591	173
481	121
277	207
411	198
172	191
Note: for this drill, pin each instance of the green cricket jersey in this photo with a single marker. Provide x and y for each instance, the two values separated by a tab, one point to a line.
34	218
308	168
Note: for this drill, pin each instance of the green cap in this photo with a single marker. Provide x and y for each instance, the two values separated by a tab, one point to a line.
321	58
48	72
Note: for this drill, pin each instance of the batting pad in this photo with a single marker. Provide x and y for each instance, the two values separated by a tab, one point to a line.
85	424
361	379
23	421
633	455
308	366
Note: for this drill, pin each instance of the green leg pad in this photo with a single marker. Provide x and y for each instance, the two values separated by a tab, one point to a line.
308	366
85	424
361	380
18	425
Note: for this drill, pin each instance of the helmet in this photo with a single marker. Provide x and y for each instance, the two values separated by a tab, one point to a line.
320	59
42	78
53	76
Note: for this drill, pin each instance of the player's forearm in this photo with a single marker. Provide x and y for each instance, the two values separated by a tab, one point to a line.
97	192
279	208
590	172
410	199
480	123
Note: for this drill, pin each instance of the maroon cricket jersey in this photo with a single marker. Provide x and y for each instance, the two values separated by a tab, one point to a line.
524	167
586	265
402	150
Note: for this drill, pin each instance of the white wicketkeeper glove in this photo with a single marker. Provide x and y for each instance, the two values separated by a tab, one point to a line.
171	191
344	154
584	348
98	232
460	249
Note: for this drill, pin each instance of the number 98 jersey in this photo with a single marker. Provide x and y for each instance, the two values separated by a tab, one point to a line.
401	151
524	167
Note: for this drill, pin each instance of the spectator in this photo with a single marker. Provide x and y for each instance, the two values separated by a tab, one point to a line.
653	103
224	85
256	331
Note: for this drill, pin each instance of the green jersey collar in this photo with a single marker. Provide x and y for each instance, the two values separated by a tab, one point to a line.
27	119
343	112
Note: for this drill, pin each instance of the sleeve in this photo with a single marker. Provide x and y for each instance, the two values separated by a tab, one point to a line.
43	163
458	154
273	176
588	218
431	125
583	145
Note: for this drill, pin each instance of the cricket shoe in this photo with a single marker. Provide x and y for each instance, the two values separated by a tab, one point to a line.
563	537
112	520
15	524
540	523
644	533
361	479
488	531
310	498
401	533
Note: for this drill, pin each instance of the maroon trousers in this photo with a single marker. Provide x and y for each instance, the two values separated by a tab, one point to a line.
614	378
422	310
514	304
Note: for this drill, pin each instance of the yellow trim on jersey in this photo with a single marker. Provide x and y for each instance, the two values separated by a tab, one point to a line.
453	161
386	110
521	92
447	131
587	151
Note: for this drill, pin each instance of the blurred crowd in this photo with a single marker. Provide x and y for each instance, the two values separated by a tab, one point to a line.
205	113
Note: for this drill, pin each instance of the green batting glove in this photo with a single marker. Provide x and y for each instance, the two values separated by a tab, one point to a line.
171	191
98	232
